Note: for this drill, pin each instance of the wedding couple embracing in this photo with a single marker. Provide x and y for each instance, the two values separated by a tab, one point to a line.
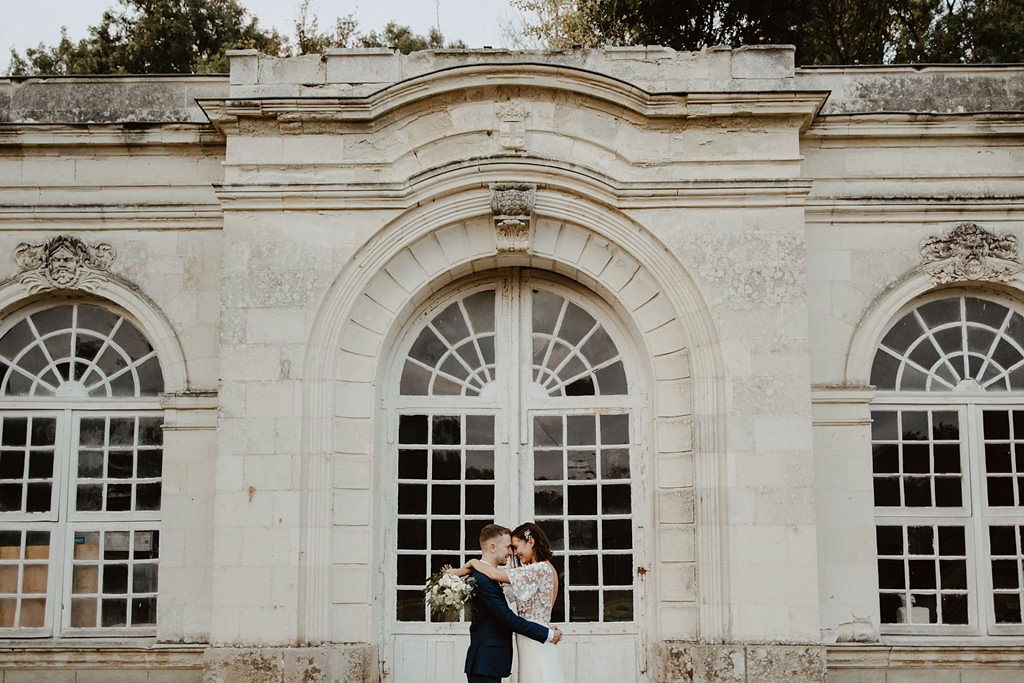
534	586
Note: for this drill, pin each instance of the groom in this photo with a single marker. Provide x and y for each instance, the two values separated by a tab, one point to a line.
489	658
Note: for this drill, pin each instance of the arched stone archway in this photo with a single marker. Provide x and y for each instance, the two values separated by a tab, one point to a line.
452	236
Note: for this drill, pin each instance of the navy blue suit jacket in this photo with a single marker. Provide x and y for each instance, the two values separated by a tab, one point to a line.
490	634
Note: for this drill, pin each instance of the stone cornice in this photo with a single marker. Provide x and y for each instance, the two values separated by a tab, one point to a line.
545	173
110	135
197	216
615	93
400	196
916	126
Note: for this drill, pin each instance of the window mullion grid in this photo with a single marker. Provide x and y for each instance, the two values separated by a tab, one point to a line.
988	516
132	522
935	518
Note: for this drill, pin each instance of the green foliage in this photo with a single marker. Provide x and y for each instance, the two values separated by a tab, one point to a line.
310	40
193	36
153	36
402	38
823	31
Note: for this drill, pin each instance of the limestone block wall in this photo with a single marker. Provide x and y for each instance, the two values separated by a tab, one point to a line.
277	266
98	160
884	182
750	264
368	171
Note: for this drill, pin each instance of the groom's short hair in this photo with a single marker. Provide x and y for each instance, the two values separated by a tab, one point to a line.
492	531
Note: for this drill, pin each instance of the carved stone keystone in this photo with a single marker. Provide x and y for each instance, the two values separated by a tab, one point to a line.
512	205
970	252
63	262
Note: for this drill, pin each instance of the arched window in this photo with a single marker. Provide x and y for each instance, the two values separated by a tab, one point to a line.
81	456
948	467
514	404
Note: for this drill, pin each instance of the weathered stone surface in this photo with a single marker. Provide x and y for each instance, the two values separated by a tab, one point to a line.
938	89
724	662
786	664
112	99
327	664
686	662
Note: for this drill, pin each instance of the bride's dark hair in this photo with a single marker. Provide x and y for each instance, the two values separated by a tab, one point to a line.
541	544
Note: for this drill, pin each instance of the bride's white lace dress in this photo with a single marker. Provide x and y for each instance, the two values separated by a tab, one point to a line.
533	592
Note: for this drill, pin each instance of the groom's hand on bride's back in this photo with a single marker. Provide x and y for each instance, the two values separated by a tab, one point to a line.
558	635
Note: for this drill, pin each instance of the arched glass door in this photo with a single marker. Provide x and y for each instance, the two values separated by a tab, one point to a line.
513	402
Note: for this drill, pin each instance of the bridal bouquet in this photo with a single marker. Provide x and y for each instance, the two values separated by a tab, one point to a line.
447	594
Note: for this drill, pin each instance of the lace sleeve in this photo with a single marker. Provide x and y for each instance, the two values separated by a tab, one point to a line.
527	580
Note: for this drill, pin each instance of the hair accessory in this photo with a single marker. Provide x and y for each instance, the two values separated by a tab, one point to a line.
527	535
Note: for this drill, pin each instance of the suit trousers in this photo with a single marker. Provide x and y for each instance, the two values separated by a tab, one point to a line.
475	678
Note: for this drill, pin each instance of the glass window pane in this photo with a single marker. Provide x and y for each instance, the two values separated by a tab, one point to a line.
618	605
583	606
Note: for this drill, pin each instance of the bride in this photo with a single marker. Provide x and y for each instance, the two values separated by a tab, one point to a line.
535	587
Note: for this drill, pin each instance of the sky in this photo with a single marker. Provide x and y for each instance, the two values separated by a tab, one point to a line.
25	23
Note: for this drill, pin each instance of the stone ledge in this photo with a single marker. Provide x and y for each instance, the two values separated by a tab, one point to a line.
100	656
925	656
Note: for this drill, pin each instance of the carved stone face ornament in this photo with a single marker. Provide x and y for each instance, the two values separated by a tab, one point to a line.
970	252
63	262
63	266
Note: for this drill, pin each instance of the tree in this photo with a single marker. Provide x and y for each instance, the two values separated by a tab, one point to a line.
309	39
823	31
153	36
555	24
193	36
402	38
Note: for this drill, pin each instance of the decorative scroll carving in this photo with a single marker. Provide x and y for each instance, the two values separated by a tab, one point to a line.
63	262
970	252
512	125
512	204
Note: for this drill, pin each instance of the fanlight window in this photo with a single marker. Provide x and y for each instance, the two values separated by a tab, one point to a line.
454	354
78	350
958	342
572	353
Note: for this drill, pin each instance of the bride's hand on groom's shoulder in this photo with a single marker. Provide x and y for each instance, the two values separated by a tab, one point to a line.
461	571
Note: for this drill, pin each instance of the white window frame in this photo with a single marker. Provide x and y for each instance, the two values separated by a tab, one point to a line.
513	454
976	516
62	519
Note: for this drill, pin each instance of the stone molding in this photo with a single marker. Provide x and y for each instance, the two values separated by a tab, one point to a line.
101	656
190	410
841	405
611	92
879	656
970	252
63	262
512	205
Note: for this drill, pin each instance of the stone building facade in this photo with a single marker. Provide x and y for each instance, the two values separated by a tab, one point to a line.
746	339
